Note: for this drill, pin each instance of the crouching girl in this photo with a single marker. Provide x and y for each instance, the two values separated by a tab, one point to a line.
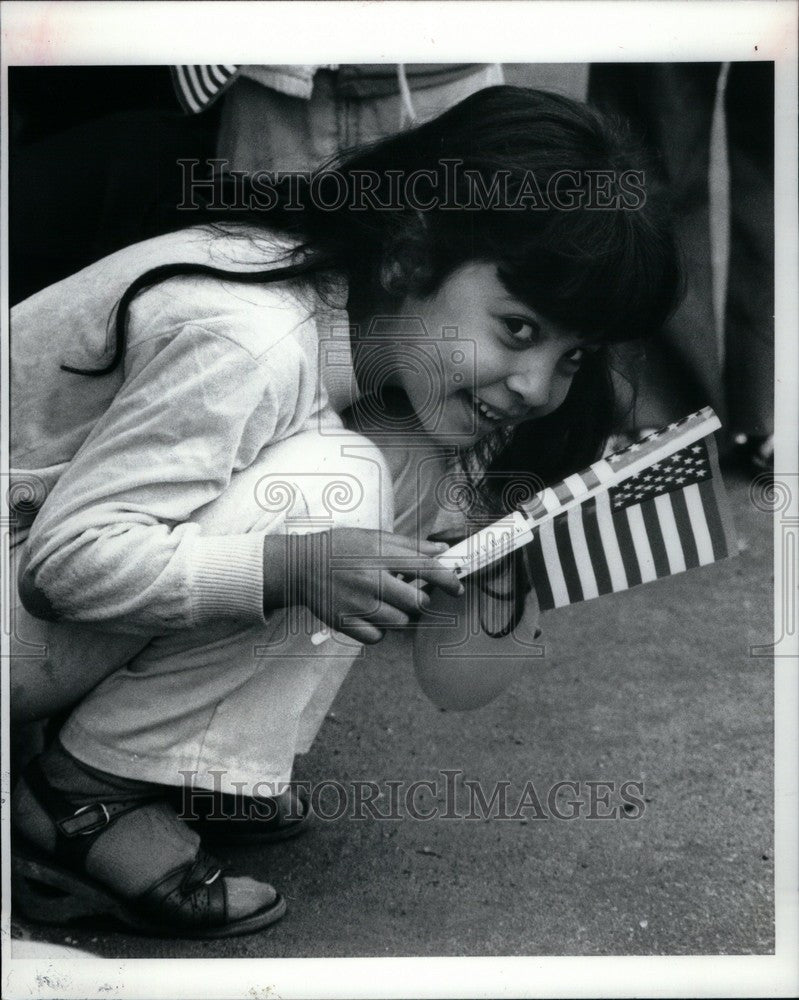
233	436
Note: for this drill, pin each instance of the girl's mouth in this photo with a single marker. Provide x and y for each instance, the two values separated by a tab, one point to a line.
483	410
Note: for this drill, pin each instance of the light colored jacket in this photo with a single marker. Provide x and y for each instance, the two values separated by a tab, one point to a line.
108	470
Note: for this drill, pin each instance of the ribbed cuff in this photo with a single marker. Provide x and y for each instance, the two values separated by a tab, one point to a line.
227	578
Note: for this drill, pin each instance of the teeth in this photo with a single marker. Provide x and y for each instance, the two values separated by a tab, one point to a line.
486	410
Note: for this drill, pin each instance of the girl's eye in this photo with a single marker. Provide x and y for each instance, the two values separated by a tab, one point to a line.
523	330
575	357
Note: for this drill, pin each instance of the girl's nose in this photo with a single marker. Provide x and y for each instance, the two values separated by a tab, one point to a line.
534	385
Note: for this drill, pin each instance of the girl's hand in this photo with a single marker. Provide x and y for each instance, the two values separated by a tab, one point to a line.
346	577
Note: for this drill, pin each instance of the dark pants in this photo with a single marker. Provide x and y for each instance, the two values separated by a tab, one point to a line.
670	106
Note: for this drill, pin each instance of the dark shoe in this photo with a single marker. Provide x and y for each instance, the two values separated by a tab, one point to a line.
754	454
189	901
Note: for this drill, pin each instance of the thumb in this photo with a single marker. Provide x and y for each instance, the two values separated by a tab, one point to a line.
432	548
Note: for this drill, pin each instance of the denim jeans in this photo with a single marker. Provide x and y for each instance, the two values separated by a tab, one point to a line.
262	129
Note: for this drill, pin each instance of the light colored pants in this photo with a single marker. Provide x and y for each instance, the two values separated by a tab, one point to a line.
237	700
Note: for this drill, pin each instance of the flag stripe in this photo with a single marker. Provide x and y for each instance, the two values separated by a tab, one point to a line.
610	543
550	501
582	556
560	593
603	470
563	492
596	549
568	563
590	478
715	527
704	546
671	535
538	573
684	529
643	552
576	484
655	536
719	501
627	549
535	509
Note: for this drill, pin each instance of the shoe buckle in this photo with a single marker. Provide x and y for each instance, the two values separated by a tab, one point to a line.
85	821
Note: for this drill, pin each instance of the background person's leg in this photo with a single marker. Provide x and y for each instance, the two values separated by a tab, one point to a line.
749	333
670	107
369	119
263	129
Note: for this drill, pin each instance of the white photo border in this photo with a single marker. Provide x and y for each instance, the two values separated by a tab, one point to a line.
105	33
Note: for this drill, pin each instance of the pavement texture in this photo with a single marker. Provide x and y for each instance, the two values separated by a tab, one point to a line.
655	686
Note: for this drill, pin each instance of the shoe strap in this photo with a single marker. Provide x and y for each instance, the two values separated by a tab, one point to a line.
191	895
77	829
95	817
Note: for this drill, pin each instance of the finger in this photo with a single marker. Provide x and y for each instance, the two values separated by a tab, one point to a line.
432	548
434	572
407	597
404	543
413	565
387	616
362	631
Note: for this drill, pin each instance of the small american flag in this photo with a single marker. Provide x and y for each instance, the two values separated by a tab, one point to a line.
667	518
656	508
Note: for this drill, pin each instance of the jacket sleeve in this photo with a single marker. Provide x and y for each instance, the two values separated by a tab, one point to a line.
112	544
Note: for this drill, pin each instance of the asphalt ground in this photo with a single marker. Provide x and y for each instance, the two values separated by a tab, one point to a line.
656	686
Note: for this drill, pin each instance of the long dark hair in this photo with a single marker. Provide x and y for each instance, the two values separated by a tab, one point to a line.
603	263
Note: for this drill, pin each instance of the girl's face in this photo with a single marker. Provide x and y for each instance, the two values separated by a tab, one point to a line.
502	362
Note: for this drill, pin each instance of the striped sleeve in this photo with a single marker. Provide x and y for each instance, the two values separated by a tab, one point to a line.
197	87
